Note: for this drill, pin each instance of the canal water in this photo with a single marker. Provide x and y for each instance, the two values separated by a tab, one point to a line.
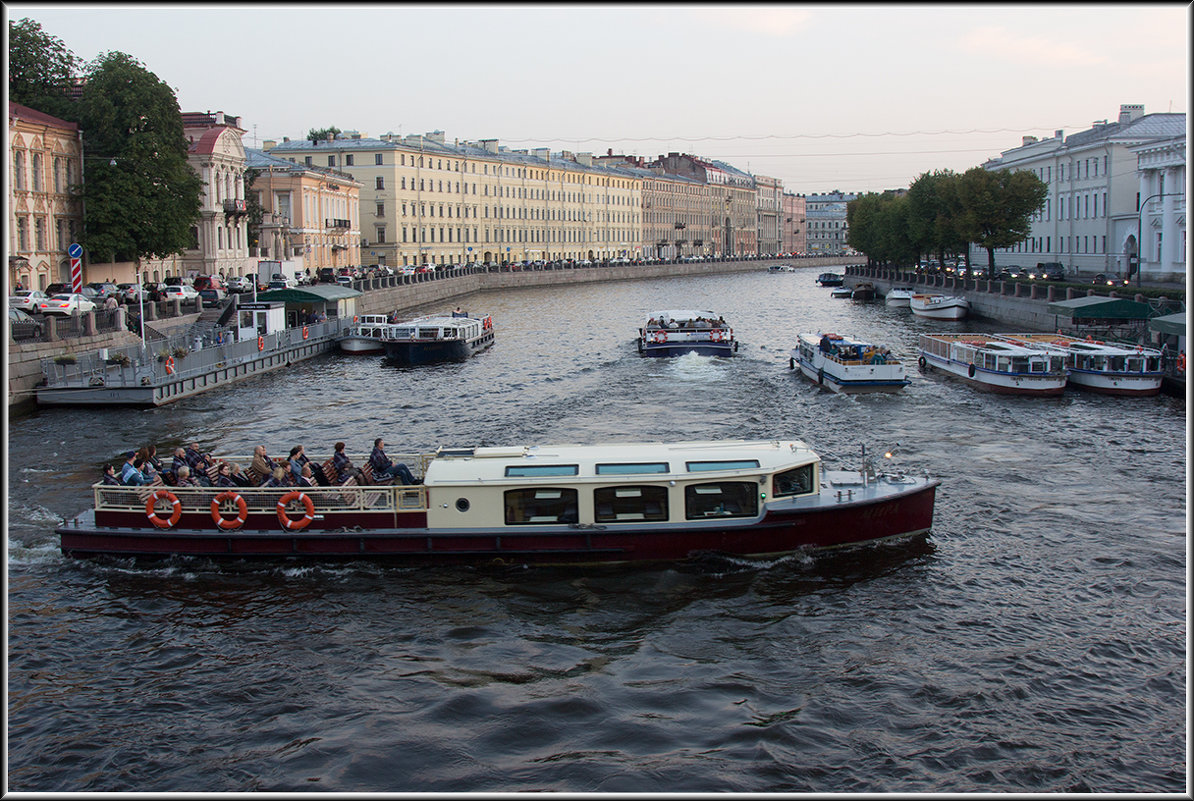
1035	641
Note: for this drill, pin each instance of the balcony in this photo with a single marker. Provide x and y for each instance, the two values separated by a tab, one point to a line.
234	206
337	225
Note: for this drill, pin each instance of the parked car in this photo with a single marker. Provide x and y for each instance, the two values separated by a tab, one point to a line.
327	275
21	325
26	300
239	284
57	289
1102	279
184	292
66	303
102	289
287	282
211	282
1048	271
278	283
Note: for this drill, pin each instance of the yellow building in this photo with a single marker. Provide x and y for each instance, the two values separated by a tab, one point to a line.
44	206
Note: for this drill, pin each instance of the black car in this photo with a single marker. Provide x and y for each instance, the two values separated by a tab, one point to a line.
1050	270
327	275
22	325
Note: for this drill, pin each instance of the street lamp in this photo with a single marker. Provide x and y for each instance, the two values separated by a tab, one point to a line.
1140	232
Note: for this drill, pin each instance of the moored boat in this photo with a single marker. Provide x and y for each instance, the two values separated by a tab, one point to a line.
365	335
841	292
438	338
830	279
993	364
939	307
899	296
847	365
674	332
781	268
610	503
1104	367
864	291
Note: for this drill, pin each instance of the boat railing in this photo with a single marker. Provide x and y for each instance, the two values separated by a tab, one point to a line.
336	498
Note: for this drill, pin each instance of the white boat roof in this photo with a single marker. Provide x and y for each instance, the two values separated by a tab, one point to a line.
1096	347
642	461
443	320
373	319
985	341
685	314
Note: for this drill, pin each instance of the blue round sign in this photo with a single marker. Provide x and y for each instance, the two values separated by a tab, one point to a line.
75	250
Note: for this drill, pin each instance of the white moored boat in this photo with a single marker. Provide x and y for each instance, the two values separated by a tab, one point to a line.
994	364
438	338
365	335
847	365
1101	366
674	332
613	502
939	307
899	296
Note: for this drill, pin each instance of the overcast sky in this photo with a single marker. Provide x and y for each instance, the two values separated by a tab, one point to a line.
850	97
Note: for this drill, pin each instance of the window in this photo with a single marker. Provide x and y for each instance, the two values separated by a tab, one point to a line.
36	186
546	505
348	160
39	228
381	234
331	161
721	499
619	504
796	481
735	464
18	169
381	209
307	160
380	182
377	159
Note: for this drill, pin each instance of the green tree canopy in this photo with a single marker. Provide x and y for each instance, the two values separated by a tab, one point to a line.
933	212
320	134
142	198
878	225
996	208
41	70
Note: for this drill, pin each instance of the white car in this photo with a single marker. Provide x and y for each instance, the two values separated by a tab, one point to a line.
66	304
184	292
27	299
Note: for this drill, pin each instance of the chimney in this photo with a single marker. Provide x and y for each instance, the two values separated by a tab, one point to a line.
490	145
1130	112
220	117
268	145
609	151
1057	134
331	136
285	139
1028	140
542	153
436	136
585	158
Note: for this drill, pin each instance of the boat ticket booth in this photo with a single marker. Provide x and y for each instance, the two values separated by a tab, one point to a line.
302	302
258	318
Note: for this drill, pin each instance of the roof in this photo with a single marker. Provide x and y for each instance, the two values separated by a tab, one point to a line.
1169	324
310	294
1100	308
17	111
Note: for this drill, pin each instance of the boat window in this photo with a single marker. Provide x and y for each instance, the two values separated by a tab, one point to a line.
723	499
533	470
732	464
402	333
626	469
796	481
614	504
428	333
546	505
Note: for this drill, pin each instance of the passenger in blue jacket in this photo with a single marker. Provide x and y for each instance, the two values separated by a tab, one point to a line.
384	468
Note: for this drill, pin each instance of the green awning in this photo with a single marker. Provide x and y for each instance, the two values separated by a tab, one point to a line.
1169	324
1098	307
310	294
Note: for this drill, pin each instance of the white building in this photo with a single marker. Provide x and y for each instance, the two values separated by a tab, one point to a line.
1161	219
1089	220
825	216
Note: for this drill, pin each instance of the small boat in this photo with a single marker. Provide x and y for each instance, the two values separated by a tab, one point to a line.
841	292
553	504
674	332
438	338
864	292
1102	366
781	268
846	365
899	296
830	279
365	335
988	362
939	307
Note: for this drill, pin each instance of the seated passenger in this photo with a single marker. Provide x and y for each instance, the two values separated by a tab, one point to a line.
305	478
180	460
277	478
198	461
183	477
343	466
110	476
224	476
384	468
151	465
130	474
262	465
238	478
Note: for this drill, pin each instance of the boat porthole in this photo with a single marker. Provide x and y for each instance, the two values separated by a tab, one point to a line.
462	504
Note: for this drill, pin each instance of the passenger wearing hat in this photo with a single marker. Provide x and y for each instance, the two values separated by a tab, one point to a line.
131	474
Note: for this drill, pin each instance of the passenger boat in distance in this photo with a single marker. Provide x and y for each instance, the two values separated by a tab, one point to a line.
830	279
988	362
939	307
438	338
899	296
846	365
365	335
781	268
674	332
1101	366
559	504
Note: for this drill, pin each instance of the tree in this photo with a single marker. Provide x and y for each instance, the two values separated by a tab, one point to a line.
41	70
253	208
933	214
141	196
997	207
319	134
877	225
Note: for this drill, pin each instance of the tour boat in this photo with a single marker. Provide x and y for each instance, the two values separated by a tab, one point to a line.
562	504
939	307
674	332
864	292
847	365
438	338
830	279
1102	366
365	335
899	296
988	362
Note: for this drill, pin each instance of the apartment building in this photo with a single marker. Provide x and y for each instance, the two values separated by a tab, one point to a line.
792	224
731	196
826	222
1097	180
45	213
769	208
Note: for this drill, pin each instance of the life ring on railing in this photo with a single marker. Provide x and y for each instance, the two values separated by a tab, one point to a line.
660	337
921	362
169	365
260	343
165	495
1181	362
302	522
717	335
971	370
304	332
242	510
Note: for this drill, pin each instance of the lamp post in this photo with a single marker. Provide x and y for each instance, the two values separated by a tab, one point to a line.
1140	232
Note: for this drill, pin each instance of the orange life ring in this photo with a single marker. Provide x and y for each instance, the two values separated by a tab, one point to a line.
1181	361
260	343
717	335
304	332
242	510
302	522
660	337
169	365
165	495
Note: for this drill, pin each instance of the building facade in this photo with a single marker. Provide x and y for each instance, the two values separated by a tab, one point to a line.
1161	208
769	204
827	229
792	224
45	211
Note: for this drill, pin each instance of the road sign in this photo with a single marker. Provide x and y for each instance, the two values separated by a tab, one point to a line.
75	251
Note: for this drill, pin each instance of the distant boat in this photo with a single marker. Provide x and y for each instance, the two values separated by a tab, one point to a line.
438	338
849	366
864	292
841	292
674	332
939	307
365	335
899	296
997	365
830	279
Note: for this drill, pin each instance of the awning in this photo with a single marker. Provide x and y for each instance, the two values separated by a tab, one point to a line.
1098	307
317	293
1169	324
